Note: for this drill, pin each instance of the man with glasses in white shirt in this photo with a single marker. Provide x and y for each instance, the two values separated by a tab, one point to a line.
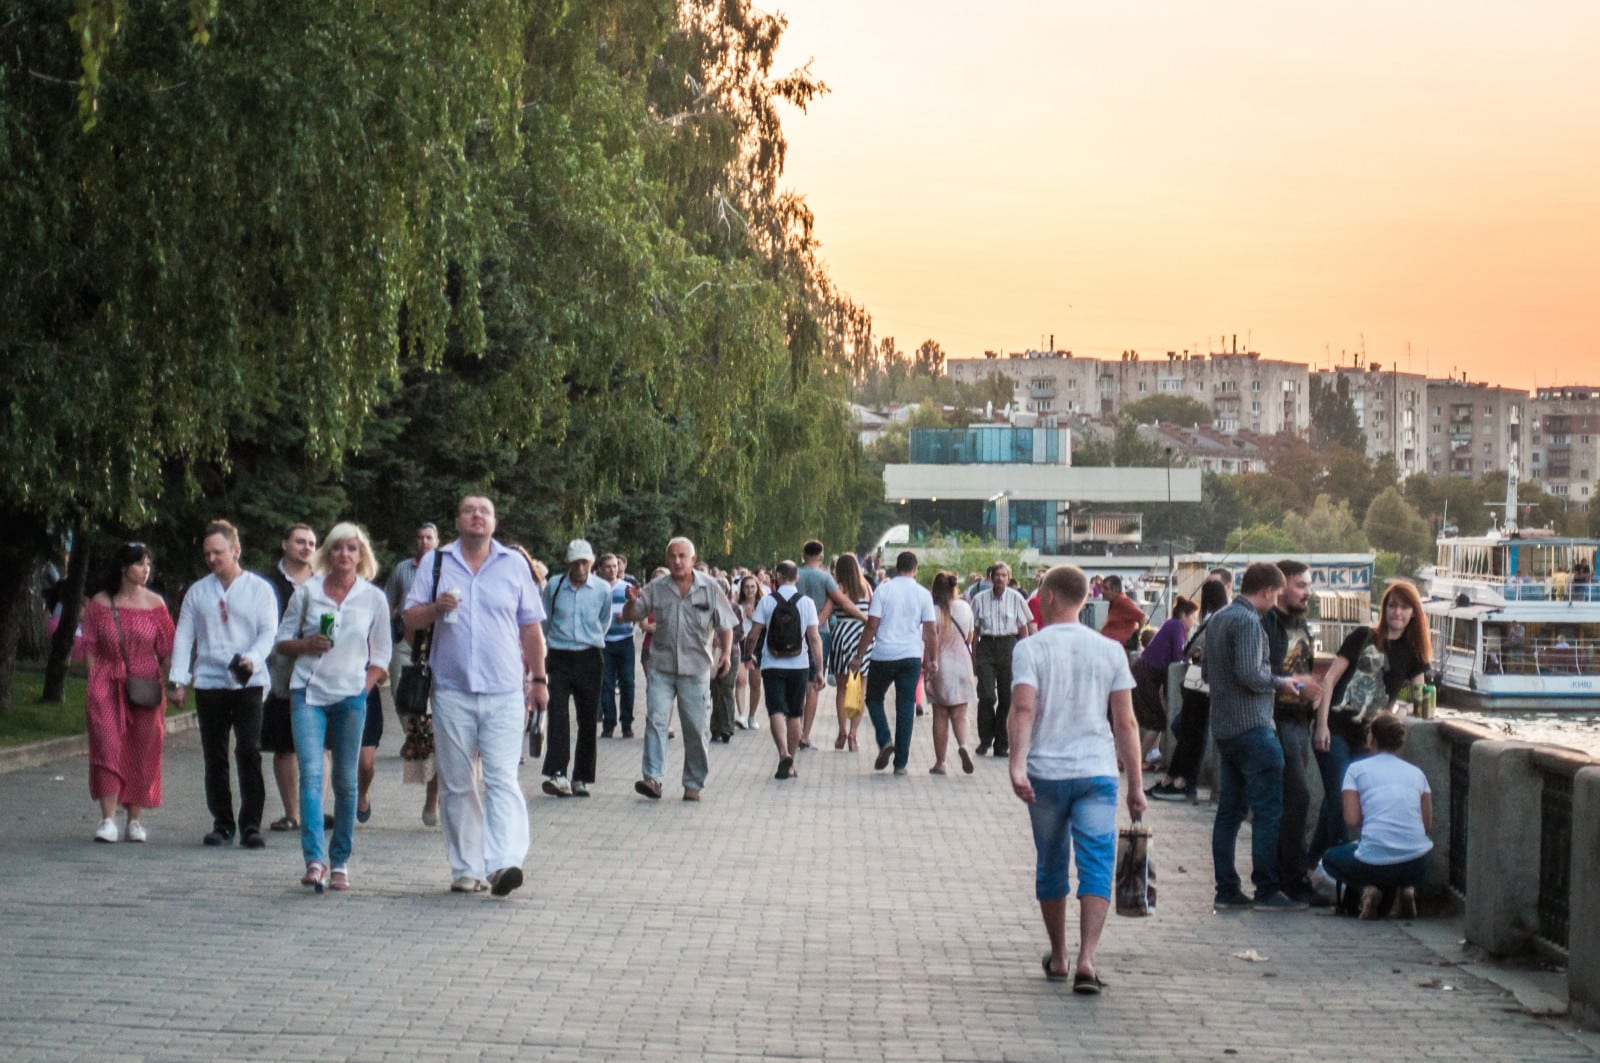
225	632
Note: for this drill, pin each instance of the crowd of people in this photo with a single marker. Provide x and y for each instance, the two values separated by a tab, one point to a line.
296	663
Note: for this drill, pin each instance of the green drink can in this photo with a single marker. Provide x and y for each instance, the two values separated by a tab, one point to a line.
326	626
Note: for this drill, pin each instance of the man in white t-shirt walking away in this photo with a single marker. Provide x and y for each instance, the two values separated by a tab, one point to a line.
900	633
1064	758
791	666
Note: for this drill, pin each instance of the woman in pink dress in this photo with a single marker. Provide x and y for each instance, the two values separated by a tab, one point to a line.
125	740
953	685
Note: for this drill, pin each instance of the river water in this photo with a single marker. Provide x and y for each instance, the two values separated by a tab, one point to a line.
1575	730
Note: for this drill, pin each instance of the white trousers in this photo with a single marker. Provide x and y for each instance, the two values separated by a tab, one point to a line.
487	832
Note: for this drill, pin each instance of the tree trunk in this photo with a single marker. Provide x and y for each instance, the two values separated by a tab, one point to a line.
16	570
55	669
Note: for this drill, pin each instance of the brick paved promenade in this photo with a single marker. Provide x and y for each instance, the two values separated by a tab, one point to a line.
845	915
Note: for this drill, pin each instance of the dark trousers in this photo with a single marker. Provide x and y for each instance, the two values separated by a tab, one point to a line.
1341	864
1249	780
902	675
1193	727
1295	737
993	663
618	684
574	675
220	712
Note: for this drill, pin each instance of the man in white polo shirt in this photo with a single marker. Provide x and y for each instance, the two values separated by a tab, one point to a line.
900	633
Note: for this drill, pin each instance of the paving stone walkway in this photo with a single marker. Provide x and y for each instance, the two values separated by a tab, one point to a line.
844	915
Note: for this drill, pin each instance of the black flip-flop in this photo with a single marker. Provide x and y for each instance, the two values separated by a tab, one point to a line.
1087	984
1051	973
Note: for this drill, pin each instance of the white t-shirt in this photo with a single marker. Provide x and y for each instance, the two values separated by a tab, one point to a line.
1074	670
1391	792
808	620
902	606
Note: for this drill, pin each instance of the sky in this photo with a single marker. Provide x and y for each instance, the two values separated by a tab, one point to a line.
1418	179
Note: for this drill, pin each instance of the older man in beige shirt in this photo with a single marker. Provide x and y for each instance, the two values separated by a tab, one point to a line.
693	642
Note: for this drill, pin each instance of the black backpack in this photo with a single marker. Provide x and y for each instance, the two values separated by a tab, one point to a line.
785	634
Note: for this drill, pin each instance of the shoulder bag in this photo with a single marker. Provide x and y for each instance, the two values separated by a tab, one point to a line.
416	679
142	693
280	666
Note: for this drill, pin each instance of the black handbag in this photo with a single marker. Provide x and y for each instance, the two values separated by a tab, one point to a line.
416	679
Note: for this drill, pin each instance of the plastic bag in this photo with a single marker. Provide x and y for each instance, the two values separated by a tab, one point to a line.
855	695
1135	881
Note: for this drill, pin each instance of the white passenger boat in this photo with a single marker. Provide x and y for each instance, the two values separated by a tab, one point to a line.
1515	618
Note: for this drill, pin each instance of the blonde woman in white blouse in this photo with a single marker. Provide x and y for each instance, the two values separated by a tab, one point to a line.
336	626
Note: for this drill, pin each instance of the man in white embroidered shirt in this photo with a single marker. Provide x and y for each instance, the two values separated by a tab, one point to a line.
225	632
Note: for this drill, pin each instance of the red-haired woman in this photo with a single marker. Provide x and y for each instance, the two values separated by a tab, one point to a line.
1374	664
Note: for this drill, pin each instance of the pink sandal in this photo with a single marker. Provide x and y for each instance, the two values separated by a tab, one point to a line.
340	880
316	876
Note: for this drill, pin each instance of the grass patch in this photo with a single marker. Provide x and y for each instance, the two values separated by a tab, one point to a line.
31	720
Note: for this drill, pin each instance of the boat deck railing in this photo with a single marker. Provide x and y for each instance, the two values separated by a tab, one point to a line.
1557	588
1545	657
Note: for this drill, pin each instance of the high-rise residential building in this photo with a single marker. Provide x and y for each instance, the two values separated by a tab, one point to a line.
1243	391
1562	447
1391	408
1473	427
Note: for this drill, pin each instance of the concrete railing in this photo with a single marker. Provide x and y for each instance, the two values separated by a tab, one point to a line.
1516	833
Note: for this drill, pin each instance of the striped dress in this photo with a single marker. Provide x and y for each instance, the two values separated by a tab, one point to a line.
846	637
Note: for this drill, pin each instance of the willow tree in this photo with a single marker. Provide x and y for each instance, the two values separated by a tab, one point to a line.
216	210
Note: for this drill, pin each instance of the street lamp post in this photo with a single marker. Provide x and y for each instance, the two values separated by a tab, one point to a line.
1172	565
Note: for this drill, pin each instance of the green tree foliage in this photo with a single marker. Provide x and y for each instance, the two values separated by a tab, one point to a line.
1261	539
1333	415
1394	526
1329	527
1127	447
1173	409
295	260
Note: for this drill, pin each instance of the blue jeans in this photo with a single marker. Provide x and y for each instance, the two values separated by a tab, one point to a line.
1331	830
903	674
617	686
1084	812
339	726
1249	776
1341	864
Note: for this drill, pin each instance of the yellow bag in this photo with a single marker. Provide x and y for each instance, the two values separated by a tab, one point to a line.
855	698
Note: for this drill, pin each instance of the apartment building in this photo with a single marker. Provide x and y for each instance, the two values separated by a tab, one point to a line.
1244	391
1473	427
1562	451
1391	408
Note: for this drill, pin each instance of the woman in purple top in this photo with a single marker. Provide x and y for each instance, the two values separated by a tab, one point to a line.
1184	763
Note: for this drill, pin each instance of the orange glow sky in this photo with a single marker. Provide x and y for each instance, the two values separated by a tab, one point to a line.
1158	175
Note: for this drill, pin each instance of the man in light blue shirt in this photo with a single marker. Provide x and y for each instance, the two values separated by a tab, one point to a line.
577	609
488	674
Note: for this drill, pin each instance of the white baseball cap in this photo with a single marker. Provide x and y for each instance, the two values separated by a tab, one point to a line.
579	550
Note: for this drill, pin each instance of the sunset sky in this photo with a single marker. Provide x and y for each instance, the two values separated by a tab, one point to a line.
1158	176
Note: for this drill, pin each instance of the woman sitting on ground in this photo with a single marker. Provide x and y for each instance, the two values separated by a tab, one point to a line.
1387	802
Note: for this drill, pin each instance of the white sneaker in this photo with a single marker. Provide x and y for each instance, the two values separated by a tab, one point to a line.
557	786
136	831
107	831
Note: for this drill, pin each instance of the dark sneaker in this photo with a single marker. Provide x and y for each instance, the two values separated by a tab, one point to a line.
1167	792
253	839
885	755
608	732
627	732
1278	901
218	837
983	749
505	880
966	759
691	794
1306	894
1235	901
648	788
785	764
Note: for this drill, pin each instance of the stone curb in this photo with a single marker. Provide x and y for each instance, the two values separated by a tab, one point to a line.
33	754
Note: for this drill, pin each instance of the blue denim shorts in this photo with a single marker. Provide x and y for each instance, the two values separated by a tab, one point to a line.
1084	813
